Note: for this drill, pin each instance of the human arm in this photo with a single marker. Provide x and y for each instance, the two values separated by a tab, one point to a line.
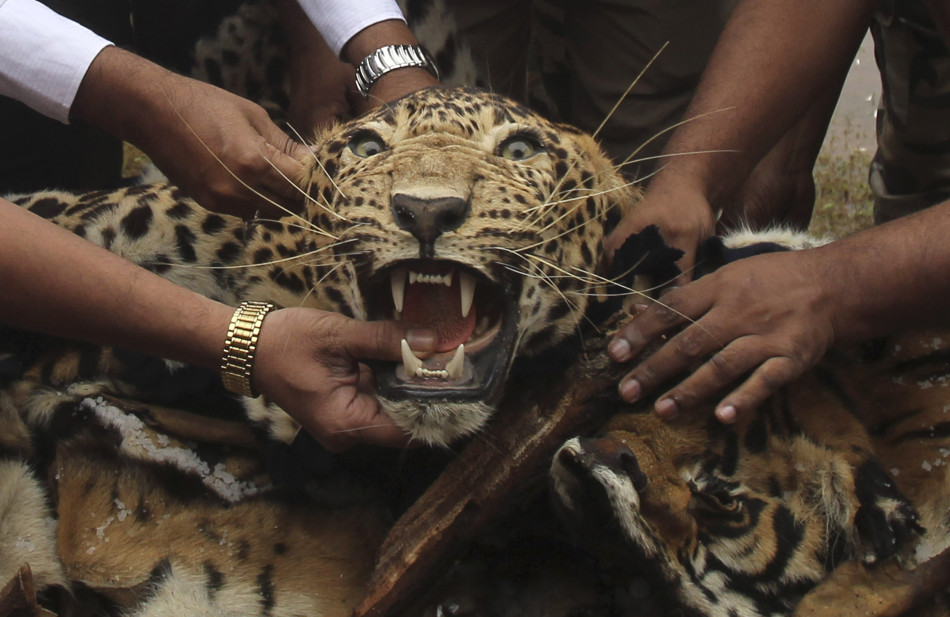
758	323
63	70
354	30
772	62
306	360
211	143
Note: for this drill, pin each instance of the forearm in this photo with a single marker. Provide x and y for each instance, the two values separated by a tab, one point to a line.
120	90
890	277
772	61
60	284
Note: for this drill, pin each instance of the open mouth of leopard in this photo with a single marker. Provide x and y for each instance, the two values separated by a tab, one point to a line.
475	320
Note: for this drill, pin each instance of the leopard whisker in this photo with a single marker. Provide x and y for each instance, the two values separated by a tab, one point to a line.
316	160
305	194
546	279
672	127
358	428
630	88
644	293
578	203
668	156
610	114
484	438
228	169
310	227
592	193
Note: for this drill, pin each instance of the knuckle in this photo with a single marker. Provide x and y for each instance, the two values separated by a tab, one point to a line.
725	364
690	343
382	335
665	313
646	374
773	375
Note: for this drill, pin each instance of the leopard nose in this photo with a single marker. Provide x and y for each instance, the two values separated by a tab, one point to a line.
427	219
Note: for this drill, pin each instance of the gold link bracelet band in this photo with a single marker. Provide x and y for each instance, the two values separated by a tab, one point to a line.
241	345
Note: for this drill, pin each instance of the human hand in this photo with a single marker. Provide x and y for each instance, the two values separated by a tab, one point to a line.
683	216
308	363
753	326
211	143
214	145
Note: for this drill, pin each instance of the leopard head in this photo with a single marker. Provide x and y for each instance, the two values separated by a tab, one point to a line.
465	212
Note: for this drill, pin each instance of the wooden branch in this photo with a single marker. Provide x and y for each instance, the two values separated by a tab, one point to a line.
494	466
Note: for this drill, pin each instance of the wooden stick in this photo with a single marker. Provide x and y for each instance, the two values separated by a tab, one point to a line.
517	446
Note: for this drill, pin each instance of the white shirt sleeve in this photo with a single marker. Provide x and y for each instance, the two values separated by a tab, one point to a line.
43	56
339	20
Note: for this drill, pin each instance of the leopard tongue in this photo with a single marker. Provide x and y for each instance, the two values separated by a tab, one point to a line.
439	308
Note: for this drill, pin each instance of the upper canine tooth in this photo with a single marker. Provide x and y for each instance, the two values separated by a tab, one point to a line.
456	364
397	280
411	363
467	286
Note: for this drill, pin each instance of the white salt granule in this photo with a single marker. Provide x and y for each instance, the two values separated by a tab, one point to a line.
136	439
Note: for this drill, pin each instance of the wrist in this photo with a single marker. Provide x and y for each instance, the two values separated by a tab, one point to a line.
368	40
404	69
241	346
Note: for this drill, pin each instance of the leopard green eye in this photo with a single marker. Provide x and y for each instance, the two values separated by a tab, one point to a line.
366	145
519	148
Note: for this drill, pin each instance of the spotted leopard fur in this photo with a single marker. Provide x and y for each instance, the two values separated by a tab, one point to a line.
155	457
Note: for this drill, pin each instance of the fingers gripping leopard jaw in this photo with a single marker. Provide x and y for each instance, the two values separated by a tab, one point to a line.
336	404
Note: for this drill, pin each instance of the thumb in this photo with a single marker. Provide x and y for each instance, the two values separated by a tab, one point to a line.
382	340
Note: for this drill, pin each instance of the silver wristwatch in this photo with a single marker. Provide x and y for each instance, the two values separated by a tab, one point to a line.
390	58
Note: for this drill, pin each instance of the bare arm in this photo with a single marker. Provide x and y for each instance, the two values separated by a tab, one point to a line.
307	360
771	63
758	323
194	132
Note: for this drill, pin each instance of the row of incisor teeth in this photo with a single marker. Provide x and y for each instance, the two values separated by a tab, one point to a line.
431	279
398	283
413	365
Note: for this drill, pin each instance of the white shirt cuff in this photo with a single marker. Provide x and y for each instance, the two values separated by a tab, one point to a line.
43	56
340	20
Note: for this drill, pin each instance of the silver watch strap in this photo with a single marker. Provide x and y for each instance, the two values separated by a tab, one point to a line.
390	58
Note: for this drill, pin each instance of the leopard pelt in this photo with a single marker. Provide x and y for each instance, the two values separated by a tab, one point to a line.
454	208
161	486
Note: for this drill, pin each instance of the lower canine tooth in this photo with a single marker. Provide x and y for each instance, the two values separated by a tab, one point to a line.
411	363
456	364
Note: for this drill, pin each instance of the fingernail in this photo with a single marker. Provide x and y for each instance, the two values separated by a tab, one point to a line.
666	408
630	390
421	339
726	414
619	350
639	308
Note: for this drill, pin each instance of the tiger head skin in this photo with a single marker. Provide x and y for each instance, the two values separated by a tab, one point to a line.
746	519
457	210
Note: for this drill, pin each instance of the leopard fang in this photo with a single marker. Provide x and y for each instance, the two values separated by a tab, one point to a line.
413	366
398	280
